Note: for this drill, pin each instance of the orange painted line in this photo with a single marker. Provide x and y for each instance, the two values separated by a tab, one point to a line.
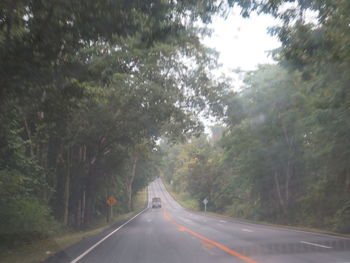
205	243
226	249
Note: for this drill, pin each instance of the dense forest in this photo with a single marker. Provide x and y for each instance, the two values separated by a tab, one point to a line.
87	89
276	161
281	153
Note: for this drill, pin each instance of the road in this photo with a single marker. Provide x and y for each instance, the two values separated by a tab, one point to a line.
173	234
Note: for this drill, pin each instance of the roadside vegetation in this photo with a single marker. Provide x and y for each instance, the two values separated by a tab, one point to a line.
277	157
183	198
281	153
88	88
39	250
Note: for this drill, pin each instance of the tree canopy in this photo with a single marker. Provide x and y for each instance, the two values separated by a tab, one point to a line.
88	88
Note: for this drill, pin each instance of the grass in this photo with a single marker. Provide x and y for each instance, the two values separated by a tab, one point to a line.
182	198
39	250
140	200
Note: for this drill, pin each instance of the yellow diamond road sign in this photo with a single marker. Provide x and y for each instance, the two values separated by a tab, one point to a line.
111	201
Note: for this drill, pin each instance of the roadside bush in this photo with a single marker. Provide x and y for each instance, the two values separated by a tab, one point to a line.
23	217
342	219
25	220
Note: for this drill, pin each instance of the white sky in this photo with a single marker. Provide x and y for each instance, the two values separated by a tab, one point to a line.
242	42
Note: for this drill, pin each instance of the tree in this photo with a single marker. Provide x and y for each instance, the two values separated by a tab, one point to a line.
83	86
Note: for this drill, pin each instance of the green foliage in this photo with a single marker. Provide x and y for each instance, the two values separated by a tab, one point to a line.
280	159
286	156
22	216
342	218
27	217
86	90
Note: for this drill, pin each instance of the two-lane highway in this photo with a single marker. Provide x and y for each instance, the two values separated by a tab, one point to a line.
174	234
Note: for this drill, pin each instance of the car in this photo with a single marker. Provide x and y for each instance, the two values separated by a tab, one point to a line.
156	202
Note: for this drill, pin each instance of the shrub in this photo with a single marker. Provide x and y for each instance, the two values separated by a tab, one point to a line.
23	216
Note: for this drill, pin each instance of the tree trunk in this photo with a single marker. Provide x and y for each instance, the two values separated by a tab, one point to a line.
279	194
78	214
107	206
347	180
130	181
83	207
129	195
66	192
288	176
29	136
47	191
89	192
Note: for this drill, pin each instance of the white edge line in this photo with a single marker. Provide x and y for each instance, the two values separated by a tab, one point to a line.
314	244
103	239
247	230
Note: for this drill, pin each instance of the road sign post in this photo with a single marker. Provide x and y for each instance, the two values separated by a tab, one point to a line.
205	202
111	201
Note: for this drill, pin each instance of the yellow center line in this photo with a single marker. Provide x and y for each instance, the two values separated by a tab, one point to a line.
226	249
205	243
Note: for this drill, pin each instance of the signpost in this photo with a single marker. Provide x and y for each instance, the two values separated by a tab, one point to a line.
205	202
111	201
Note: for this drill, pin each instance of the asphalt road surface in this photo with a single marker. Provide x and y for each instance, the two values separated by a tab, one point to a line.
172	234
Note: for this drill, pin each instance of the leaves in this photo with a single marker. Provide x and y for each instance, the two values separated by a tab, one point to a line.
83	85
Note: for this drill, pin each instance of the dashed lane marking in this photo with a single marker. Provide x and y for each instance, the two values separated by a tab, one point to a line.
226	249
314	244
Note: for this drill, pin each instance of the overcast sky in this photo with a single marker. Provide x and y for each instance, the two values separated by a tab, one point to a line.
242	42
